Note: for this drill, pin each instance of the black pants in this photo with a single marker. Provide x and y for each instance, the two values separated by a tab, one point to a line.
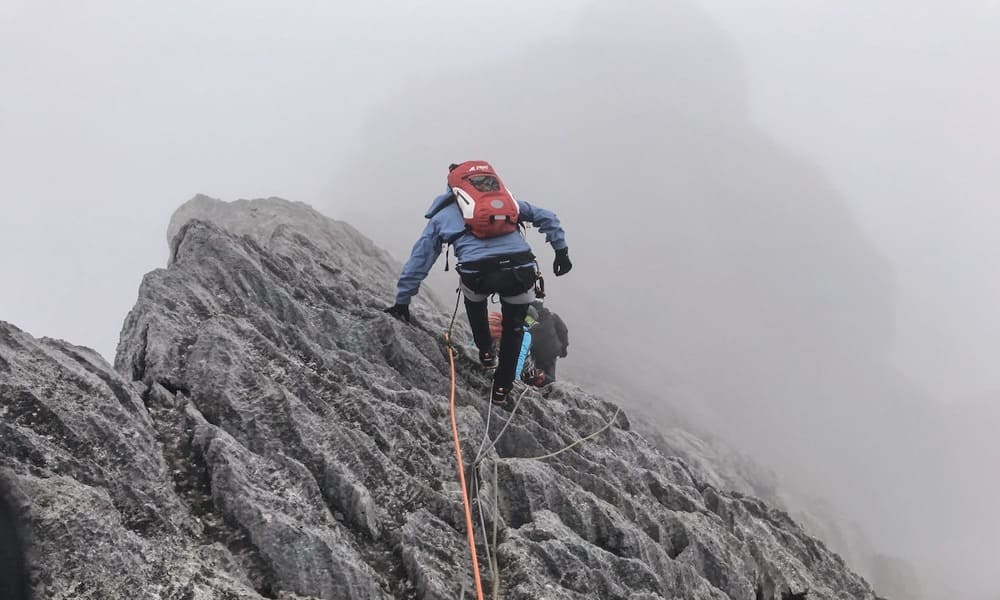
513	283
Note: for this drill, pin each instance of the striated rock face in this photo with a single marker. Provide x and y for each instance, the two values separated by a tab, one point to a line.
268	432
85	459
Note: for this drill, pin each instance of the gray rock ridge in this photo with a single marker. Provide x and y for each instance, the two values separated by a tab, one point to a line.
268	432
265	220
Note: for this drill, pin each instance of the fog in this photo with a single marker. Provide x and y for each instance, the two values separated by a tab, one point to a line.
779	213
112	113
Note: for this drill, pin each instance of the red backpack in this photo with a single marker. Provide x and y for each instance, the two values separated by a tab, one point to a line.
487	205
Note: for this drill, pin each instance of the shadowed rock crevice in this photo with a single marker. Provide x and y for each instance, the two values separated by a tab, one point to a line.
176	421
114	384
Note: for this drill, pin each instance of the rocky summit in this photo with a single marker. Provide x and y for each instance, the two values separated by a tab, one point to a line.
268	432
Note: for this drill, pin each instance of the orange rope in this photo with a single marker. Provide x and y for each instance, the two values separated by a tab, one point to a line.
461	476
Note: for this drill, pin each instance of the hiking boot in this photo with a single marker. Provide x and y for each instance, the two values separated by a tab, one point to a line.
500	396
488	359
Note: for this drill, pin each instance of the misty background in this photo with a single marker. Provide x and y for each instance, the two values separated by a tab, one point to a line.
781	214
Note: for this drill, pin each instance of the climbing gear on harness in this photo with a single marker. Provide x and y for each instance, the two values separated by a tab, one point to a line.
539	285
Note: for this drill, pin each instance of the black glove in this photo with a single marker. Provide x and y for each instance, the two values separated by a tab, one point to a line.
400	311
562	265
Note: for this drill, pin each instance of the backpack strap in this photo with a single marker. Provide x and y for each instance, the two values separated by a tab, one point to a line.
449	243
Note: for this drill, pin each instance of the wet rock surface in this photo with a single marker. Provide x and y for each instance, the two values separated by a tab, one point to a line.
268	432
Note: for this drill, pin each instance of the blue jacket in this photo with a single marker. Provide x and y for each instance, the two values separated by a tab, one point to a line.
447	225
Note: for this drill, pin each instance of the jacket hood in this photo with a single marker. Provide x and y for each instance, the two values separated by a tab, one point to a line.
439	203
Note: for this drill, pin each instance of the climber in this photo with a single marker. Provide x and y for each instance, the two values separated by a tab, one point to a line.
549	342
479	218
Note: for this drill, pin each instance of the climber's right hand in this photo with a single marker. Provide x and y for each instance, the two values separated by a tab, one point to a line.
562	265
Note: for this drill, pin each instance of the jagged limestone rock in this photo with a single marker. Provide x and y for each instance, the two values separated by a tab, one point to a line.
269	432
88	465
